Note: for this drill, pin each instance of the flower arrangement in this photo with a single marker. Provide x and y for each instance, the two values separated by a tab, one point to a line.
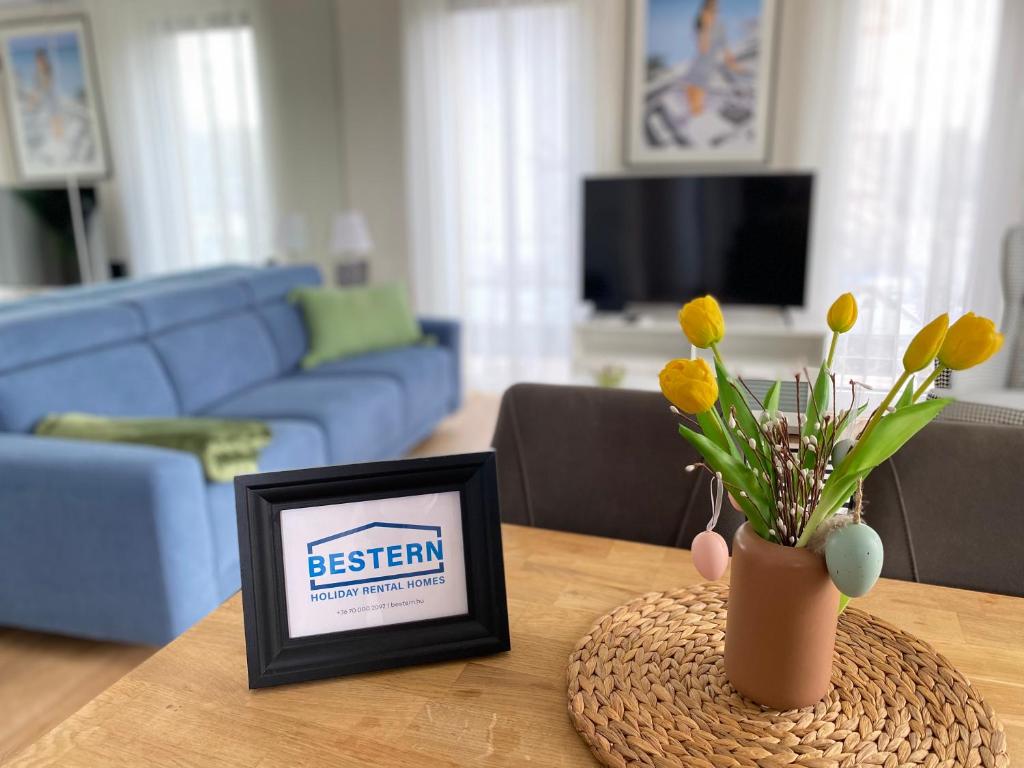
789	484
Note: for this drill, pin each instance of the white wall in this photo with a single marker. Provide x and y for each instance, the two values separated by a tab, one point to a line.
298	62
369	38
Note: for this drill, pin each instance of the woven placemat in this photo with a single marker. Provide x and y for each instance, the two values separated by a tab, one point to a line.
647	687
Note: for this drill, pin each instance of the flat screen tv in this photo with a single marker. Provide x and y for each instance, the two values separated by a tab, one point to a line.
668	239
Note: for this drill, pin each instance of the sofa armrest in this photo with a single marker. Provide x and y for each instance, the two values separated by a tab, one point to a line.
102	539
449	335
447	332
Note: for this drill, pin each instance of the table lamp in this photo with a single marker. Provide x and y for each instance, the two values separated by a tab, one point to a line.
350	236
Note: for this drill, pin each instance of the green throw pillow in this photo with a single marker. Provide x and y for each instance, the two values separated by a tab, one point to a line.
349	321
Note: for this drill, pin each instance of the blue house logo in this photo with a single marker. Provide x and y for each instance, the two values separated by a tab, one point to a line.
346	559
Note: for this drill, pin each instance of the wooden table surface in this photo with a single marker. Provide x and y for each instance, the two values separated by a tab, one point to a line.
189	704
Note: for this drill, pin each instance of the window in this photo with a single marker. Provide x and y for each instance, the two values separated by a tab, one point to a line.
495	168
221	144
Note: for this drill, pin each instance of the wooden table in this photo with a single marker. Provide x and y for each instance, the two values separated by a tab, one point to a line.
189	704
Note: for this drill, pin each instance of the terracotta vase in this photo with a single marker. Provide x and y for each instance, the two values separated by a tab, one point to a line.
781	626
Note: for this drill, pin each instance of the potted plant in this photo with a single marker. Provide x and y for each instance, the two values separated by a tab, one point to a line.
804	550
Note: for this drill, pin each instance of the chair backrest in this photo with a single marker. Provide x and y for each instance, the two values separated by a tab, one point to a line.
610	463
607	462
1013	294
948	507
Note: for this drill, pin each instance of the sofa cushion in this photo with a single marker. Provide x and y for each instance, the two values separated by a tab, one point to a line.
352	321
212	360
125	380
361	415
425	374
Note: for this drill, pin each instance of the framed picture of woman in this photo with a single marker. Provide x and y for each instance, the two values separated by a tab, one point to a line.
52	99
700	81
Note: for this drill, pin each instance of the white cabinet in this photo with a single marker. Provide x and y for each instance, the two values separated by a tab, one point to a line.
768	349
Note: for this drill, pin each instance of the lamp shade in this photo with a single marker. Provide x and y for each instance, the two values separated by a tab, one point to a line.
292	235
349	234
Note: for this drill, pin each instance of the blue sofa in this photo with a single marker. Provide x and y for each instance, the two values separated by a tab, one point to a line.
128	542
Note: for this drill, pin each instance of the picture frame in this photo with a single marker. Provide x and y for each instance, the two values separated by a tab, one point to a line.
316	605
53	100
699	82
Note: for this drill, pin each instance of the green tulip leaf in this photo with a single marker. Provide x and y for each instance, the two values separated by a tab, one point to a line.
735	474
771	400
732	399
908	395
844	600
713	428
818	404
889	435
849	417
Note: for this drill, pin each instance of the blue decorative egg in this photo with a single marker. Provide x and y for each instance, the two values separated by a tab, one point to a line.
854	557
840	450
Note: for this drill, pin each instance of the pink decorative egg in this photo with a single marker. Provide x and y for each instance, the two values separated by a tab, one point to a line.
710	554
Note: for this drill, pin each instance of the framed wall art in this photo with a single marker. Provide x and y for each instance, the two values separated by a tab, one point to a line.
700	75
53	99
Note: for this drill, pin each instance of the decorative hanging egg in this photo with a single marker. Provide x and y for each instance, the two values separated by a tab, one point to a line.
710	554
854	556
839	451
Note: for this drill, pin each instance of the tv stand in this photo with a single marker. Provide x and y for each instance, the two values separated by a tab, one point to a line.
642	342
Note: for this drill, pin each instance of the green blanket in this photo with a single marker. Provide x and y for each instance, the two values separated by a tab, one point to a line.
225	447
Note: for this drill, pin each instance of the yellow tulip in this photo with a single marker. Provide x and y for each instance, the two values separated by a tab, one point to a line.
843	313
689	385
971	340
924	347
702	322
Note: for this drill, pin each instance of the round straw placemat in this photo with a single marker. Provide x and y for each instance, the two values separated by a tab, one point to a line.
647	687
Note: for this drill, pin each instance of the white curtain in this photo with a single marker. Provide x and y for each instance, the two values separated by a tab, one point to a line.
903	203
186	123
496	126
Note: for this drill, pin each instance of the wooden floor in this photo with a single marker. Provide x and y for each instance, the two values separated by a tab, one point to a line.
46	678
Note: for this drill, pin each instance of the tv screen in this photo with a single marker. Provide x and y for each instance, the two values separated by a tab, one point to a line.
669	239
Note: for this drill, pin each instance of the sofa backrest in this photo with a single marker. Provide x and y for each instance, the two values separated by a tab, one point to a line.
154	348
210	340
270	289
90	359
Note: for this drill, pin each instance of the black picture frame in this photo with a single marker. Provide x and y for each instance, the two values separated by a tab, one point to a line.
275	658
